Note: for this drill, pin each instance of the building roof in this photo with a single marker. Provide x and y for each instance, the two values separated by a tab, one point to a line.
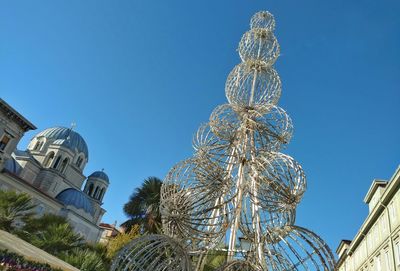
12	166
374	186
76	198
100	175
13	114
66	137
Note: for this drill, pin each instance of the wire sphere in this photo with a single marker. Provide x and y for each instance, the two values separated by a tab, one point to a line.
193	204
263	19
152	252
302	250
238	265
265	222
272	129
259	44
225	123
208	146
280	181
251	84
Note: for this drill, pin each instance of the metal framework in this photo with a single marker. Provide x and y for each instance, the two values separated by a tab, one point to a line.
237	189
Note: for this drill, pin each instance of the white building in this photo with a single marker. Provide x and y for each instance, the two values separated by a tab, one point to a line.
51	171
376	246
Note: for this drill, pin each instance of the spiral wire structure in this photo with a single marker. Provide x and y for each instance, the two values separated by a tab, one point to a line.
238	187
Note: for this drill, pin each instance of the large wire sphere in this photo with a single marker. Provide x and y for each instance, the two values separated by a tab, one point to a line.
225	123
280	181
254	216
193	205
263	19
152	253
259	44
239	265
253	84
269	125
302	250
272	130
208	146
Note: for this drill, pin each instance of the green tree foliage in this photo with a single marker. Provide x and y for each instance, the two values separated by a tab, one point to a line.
14	207
121	240
56	239
143	206
85	259
36	225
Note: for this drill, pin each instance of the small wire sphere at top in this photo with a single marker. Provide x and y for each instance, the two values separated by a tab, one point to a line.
259	44
253	84
263	19
153	253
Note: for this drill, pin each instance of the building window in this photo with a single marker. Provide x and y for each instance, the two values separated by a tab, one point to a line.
397	252
95	192
57	162
49	159
64	165
4	141
378	263
90	191
79	161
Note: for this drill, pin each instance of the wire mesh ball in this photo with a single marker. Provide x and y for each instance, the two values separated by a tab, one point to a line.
193	204
254	217
263	19
251	84
272	130
239	265
259	44
208	146
302	250
280	181
225	123
153	253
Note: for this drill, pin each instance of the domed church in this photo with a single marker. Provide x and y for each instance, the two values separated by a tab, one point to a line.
51	170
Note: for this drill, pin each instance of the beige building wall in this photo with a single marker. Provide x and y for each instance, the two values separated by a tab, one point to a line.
377	244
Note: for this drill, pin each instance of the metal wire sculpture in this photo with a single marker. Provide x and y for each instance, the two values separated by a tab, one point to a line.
238	187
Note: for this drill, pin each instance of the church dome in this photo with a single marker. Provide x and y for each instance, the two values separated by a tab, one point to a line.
100	175
76	198
65	137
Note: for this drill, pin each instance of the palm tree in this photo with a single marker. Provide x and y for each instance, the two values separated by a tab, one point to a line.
57	239
14	207
143	206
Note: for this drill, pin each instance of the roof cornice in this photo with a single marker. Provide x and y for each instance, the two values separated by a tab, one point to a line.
13	114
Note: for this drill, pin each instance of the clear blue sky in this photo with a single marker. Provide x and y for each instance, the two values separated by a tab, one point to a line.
138	78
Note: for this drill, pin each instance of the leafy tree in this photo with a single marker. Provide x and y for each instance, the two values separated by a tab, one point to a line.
121	240
56	239
14	207
143	206
85	259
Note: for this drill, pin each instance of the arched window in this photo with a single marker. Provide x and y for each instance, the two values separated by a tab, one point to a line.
90	191
79	161
49	159
95	192
64	165
37	146
58	159
101	194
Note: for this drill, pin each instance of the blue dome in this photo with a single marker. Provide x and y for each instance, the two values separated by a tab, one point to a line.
66	137
76	198
100	175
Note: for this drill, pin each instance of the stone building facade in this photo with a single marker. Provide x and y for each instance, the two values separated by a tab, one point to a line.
376	245
51	170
